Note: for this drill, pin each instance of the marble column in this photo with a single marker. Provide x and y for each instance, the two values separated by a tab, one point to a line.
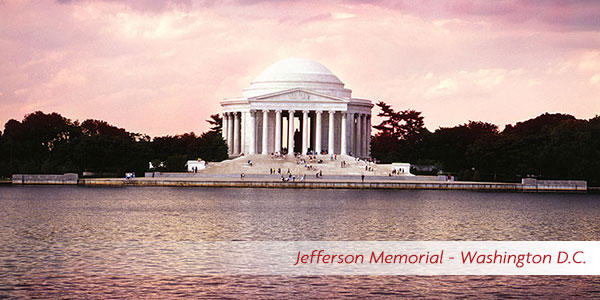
224	126
291	132
278	131
236	133
243	132
365	137
363	133
330	141
230	133
265	133
344	150
352	133
352	139
304	132
356	135
359	133
252	133
369	135
318	131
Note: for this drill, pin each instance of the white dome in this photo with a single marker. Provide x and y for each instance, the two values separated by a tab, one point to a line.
297	69
297	73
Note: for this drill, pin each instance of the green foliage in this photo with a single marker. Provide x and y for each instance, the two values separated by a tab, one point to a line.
216	123
401	125
211	146
398	132
550	146
50	143
27	145
176	163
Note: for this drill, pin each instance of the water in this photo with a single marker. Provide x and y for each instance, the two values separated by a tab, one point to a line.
66	242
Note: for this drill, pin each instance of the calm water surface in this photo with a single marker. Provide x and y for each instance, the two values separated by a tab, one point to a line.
52	239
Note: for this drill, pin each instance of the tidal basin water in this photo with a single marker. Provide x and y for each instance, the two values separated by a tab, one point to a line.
66	242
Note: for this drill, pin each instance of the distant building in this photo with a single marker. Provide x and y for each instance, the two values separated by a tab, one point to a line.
330	120
159	165
197	164
401	169
424	168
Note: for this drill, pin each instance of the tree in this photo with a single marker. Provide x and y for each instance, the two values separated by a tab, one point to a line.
35	139
399	124
209	146
216	123
550	146
398	132
449	147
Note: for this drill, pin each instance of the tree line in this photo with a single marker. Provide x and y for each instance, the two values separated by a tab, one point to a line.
51	143
549	146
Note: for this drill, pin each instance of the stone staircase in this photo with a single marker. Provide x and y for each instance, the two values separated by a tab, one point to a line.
261	164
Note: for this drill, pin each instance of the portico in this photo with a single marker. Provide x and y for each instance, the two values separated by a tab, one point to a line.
297	106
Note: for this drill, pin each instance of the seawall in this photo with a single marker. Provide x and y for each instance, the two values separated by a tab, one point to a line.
527	185
308	184
67	178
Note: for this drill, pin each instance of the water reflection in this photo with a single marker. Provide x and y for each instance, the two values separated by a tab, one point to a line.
51	238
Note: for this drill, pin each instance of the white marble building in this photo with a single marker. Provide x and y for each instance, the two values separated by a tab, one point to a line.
297	95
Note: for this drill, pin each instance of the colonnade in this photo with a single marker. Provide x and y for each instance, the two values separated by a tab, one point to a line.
346	133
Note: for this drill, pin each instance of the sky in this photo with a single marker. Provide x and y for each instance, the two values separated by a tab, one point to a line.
162	67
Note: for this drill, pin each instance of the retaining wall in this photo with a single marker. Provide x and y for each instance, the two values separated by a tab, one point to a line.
334	182
278	176
534	185
310	185
67	178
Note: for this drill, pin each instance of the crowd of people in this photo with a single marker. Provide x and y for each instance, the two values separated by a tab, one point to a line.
292	178
397	172
310	163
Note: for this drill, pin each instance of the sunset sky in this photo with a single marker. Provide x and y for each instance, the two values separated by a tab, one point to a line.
162	67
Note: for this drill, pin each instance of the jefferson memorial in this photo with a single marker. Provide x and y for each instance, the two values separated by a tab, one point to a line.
297	105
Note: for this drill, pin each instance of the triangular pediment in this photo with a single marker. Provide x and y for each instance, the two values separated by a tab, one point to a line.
297	94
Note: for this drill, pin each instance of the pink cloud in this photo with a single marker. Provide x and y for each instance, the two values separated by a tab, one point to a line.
163	68
149	6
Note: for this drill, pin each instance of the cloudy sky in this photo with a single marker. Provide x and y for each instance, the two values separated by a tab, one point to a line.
161	67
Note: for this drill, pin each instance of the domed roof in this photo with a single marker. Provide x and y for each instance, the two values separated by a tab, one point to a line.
297	73
297	69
